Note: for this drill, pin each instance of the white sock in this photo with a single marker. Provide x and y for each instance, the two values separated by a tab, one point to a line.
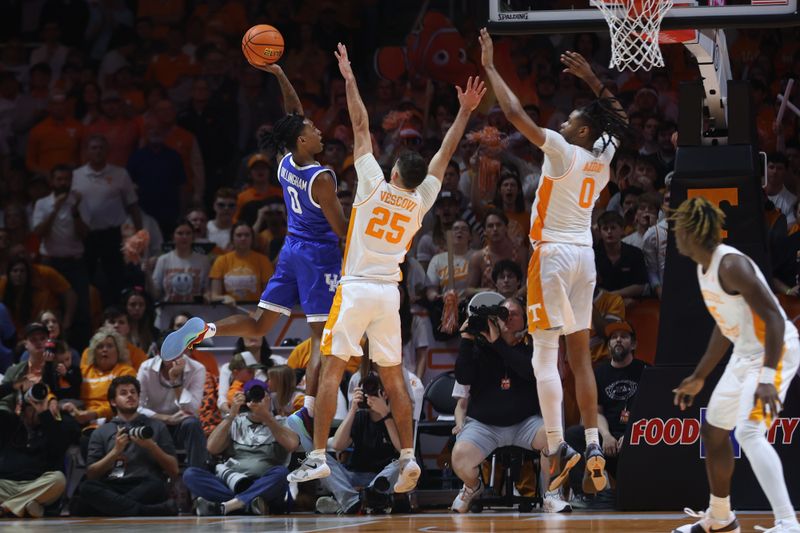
212	330
319	455
407	453
720	508
548	384
591	436
767	466
308	403
555	436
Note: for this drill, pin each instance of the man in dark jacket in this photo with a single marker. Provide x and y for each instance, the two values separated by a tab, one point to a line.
32	447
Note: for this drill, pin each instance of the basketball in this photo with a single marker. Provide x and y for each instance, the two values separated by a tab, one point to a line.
262	44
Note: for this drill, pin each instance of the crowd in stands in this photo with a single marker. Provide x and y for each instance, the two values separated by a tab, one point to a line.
131	178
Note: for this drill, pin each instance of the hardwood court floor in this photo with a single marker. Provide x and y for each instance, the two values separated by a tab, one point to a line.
605	522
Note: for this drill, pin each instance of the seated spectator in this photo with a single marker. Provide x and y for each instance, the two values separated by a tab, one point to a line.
141	320
286	399
498	246
198	218
219	227
107	358
28	289
33	370
171	393
32	449
182	274
446	209
242	274
776	189
620	266
114	317
63	373
126	471
617	384
507	279
654	248
645	218
52	322
498	370
413	386
438	278
370	431
257	448
606	308
248	359
241	373
262	182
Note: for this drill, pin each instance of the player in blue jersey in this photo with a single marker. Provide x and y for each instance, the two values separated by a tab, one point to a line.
310	261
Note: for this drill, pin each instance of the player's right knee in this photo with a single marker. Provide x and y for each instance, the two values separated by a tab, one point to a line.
748	432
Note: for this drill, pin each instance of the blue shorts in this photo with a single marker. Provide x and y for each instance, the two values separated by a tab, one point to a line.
307	272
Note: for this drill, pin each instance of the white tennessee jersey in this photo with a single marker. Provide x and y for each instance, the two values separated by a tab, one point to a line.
736	320
572	179
383	223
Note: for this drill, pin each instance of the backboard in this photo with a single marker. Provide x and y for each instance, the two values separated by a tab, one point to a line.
557	16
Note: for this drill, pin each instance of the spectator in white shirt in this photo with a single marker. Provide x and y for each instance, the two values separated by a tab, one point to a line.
654	248
219	228
777	191
172	392
646	216
59	220
108	195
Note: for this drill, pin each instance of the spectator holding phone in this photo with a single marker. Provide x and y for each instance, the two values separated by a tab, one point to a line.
646	216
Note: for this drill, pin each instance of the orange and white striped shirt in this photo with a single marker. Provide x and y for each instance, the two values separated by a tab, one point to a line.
572	179
735	318
383	223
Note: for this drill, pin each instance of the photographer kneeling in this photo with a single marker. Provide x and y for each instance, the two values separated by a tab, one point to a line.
371	431
129	458
258	447
495	361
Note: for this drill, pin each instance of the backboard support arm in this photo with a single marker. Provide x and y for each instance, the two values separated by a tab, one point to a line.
711	51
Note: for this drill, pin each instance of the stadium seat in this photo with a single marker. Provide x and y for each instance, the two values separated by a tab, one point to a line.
643	318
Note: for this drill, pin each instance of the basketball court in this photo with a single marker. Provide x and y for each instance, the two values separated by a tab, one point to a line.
433	522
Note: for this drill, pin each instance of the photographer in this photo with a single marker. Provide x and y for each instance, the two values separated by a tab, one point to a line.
370	430
35	370
129	458
503	410
258	448
32	447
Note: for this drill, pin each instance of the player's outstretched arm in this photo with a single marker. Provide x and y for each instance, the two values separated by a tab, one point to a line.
362	143
689	388
577	65
508	101
469	98
291	102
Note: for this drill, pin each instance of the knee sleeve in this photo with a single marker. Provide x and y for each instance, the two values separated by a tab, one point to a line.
545	355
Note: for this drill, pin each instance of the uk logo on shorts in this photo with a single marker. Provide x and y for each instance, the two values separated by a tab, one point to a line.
332	280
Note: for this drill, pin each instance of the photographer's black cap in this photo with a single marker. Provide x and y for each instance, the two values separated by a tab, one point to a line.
255	383
34	327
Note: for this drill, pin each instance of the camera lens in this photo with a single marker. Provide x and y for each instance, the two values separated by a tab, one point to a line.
255	394
141	432
37	392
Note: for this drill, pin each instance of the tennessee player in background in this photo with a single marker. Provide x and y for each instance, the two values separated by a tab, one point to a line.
750	392
561	271
383	222
310	261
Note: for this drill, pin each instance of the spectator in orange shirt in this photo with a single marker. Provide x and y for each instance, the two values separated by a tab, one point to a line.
121	132
242	274
183	142
262	186
168	68
27	290
54	140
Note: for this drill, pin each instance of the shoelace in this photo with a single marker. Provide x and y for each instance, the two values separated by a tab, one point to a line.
694	514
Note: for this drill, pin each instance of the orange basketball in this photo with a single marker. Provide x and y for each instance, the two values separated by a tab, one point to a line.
262	44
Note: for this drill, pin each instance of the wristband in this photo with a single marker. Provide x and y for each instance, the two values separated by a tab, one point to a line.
767	375
385	417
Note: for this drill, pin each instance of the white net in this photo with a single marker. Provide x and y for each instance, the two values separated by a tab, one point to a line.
634	27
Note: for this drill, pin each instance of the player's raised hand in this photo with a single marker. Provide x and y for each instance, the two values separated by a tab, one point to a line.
272	68
344	62
487	48
576	65
470	97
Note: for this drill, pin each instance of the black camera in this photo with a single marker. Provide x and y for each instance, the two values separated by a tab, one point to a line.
255	394
140	432
370	386
478	321
37	393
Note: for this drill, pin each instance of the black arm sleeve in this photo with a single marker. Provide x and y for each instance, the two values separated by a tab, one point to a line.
466	364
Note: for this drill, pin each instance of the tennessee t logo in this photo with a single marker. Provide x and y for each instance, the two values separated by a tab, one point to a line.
730	195
533	316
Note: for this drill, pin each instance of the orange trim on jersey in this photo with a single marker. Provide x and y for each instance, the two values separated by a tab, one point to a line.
757	413
540	208
759	328
537	313
326	345
349	234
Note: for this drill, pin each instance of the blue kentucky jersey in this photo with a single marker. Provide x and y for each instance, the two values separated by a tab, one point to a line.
304	216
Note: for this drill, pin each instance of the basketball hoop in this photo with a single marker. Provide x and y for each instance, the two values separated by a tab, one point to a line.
634	26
